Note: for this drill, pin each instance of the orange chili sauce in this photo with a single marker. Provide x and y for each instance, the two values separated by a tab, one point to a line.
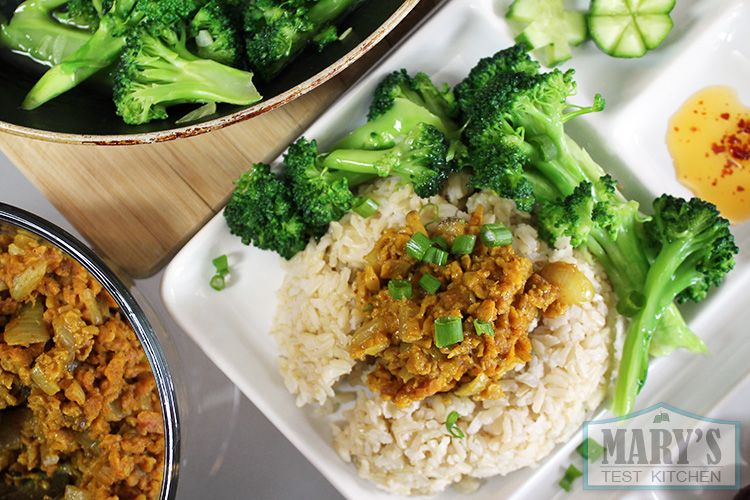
709	140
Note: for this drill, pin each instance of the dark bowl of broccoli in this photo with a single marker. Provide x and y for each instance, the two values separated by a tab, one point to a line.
137	71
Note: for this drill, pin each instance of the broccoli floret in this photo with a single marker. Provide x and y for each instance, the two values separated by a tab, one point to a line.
84	13
420	158
517	146
577	214
262	212
694	251
514	59
106	44
401	102
323	195
156	72
276	30
215	30
36	30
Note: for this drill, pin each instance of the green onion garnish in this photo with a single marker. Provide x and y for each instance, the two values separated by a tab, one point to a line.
463	244
441	242
418	245
221	264
484	328
218	283
365	206
590	449
450	424
495	235
570	475
437	212
368	308
399	289
436	256
430	283
448	331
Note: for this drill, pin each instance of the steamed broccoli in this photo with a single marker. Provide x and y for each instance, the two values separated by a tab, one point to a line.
321	183
262	212
216	32
323	195
277	30
84	13
100	51
399	103
694	251
517	146
420	158
513	59
36	30
105	45
158	71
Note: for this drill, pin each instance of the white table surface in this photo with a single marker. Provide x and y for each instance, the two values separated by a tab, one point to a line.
230	449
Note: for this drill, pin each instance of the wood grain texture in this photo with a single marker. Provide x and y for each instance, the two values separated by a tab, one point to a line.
137	205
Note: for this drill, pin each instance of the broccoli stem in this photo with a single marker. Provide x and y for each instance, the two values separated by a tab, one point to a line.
34	32
99	52
370	163
325	11
198	80
383	131
671	272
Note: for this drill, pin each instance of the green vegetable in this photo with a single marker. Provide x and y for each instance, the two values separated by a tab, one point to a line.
448	331
276	30
548	28
158	71
463	244
623	28
590	450
221	263
436	256
218	281
430	283
450	424
365	206
36	31
441	242
571	474
418	245
400	289
262	212
400	103
217	34
517	146
484	328
495	235
694	249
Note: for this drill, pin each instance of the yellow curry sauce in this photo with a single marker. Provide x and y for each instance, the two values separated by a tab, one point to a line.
77	395
491	284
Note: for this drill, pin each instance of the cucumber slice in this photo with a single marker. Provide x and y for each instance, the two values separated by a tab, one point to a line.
549	30
629	28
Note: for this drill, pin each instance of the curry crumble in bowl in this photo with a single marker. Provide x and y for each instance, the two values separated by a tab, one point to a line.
88	409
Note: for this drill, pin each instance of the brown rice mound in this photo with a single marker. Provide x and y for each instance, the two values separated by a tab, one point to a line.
409	451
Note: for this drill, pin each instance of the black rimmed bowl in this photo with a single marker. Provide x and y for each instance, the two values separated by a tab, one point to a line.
160	353
86	114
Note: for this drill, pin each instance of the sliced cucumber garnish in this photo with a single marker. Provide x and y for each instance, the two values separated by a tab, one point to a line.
629	28
547	28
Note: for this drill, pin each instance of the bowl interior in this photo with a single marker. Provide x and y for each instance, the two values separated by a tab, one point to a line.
14	220
88	109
